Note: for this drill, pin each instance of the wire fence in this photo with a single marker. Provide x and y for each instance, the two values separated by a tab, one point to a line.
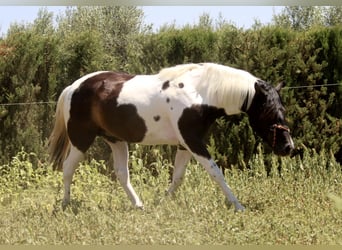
26	103
54	102
313	86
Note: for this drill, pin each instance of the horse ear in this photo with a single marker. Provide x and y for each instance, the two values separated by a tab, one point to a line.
279	86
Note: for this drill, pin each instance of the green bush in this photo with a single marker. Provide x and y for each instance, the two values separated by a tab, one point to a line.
39	60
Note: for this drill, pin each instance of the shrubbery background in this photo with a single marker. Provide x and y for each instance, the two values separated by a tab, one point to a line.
302	46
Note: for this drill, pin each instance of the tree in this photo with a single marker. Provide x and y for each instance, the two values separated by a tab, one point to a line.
333	15
28	59
305	17
299	17
116	27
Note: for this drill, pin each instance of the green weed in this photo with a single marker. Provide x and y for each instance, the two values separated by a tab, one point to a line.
290	204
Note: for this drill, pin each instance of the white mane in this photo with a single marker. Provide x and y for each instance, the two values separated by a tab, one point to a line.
228	87
219	85
175	72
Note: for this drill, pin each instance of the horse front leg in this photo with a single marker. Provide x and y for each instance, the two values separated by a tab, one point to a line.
182	158
120	158
217	176
201	154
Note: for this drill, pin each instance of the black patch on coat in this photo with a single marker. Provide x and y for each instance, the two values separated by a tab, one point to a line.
245	104
166	84
156	118
95	112
167	99
181	85
194	123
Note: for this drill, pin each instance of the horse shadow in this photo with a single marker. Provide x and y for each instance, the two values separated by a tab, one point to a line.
74	207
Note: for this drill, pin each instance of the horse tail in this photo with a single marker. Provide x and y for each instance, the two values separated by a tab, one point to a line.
59	143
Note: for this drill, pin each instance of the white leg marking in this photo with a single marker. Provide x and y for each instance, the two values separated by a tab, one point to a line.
217	175
120	157
182	158
69	166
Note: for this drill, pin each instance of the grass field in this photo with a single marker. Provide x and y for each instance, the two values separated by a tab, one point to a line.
298	205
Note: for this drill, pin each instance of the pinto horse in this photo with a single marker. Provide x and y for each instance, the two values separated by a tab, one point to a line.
175	106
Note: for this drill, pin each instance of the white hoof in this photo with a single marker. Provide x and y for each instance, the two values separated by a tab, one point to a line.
139	206
239	207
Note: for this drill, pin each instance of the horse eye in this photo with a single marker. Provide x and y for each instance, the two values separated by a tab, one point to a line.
282	110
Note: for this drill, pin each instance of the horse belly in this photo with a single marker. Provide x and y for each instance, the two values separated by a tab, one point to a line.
158	108
159	132
159	127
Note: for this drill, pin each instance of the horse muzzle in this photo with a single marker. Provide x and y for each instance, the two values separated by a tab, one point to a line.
286	148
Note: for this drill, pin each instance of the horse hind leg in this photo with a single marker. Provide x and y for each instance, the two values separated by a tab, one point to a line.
182	158
69	166
120	158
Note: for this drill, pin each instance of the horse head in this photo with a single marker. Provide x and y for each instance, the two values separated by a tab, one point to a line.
267	118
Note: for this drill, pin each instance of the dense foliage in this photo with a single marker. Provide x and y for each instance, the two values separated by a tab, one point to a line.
39	59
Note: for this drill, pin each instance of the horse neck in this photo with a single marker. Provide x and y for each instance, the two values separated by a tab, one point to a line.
226	88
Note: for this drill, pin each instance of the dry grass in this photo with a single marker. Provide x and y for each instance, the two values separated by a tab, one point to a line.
290	207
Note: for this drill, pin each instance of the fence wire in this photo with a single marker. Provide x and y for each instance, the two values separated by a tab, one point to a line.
54	102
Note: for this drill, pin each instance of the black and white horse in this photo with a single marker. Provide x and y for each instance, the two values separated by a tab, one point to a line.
175	106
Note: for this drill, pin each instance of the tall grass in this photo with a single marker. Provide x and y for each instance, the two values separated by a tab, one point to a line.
296	202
